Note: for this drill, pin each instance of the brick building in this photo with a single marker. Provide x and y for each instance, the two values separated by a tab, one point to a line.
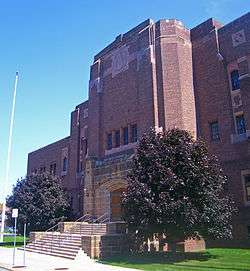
158	75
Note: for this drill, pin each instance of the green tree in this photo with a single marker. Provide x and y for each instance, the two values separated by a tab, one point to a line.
41	201
176	189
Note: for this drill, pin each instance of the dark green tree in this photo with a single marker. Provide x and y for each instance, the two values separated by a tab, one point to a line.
41	201
176	189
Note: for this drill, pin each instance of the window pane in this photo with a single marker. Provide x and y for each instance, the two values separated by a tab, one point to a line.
109	141
65	163
134	133
240	124
125	135
235	80
214	130
117	138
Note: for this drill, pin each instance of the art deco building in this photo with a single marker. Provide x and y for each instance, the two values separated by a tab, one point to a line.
160	75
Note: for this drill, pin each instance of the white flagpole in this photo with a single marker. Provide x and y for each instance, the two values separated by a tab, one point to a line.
8	159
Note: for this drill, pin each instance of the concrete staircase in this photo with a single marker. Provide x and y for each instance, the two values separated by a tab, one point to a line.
56	244
66	244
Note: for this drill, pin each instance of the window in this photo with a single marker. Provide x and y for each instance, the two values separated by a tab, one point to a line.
109	141
247	187
125	135
235	82
248	231
214	130
65	164
42	169
134	133
84	146
117	138
52	169
240	124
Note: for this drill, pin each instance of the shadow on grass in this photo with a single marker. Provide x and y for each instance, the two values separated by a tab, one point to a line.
159	258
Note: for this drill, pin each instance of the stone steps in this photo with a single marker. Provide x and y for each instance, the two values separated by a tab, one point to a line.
70	256
66	244
56	244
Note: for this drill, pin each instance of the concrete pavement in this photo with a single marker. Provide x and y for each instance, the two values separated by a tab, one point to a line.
41	262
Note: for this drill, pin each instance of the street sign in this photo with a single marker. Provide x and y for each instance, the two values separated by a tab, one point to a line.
14	213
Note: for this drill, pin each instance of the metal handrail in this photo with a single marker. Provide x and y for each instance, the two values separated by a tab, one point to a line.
102	216
83	217
52	227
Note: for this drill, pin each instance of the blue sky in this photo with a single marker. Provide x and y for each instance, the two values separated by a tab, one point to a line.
52	44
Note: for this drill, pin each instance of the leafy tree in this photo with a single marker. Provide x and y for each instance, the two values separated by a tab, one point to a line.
177	190
41	202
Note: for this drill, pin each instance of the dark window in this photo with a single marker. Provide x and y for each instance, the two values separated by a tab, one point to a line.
235	82
248	231
84	146
125	135
134	133
42	169
52	169
240	124
214	130
117	138
65	164
247	187
109	141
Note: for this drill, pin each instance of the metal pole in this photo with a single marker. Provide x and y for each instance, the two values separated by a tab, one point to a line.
14	250
8	159
24	243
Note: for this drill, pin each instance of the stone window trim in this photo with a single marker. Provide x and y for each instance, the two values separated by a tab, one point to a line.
245	173
237	116
238	38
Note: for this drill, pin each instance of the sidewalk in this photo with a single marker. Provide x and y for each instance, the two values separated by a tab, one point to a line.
40	262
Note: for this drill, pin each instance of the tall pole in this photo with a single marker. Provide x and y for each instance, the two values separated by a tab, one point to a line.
24	243
14	245
8	158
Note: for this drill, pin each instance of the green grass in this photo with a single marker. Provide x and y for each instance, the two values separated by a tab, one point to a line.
8	241
213	259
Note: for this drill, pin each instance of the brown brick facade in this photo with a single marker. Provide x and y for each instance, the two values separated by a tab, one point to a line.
158	75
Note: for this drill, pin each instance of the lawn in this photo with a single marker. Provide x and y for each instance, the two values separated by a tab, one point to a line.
8	241
211	260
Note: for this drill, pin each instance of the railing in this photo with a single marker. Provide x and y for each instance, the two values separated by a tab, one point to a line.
54	239
85	218
80	226
52	228
103	218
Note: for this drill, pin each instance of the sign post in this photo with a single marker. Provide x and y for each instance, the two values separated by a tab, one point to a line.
15	216
24	243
